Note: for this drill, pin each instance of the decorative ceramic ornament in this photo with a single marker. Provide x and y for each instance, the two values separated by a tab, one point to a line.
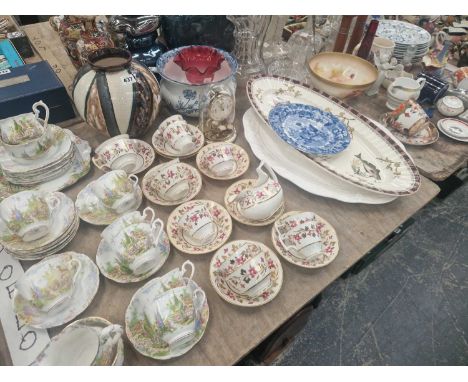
116	95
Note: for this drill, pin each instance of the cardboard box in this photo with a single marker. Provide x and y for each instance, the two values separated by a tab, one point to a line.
22	86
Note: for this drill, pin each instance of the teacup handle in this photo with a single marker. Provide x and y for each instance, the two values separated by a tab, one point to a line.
421	81
55	201
184	268
149	211
280	238
384	118
36	111
134	179
198	302
157	223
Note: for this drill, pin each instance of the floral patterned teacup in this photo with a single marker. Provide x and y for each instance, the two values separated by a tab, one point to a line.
220	160
25	136
198	225
409	118
178	311
264	199
52	288
178	135
117	190
27	214
302	239
134	217
137	246
171	183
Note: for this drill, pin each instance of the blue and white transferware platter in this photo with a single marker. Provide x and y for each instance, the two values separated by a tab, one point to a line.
309	129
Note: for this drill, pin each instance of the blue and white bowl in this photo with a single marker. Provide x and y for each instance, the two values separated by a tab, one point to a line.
184	97
309	129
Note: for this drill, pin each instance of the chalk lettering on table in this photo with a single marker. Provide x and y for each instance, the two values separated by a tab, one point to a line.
10	289
28	340
18	326
6	272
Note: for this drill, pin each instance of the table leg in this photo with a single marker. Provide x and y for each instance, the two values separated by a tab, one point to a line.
270	349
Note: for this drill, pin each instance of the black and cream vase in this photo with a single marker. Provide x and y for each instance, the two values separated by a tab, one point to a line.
115	94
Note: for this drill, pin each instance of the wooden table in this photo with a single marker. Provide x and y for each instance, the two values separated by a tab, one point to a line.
232	332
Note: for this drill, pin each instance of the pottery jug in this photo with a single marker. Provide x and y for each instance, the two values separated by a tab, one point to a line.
403	89
264	198
115	94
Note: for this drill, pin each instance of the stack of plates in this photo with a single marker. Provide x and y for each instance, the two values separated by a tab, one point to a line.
62	165
404	35
64	225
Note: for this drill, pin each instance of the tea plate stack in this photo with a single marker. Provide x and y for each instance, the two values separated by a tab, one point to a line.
67	160
405	35
63	226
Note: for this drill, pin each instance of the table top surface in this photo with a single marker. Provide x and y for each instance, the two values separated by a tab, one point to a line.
232	331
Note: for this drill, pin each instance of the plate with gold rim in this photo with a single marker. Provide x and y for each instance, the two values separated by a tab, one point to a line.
222	220
226	293
231	205
206	155
329	240
162	147
149	184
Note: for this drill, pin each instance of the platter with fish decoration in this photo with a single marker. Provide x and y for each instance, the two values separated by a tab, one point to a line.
374	160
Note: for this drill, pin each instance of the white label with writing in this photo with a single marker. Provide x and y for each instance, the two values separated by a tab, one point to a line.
5	71
25	343
128	79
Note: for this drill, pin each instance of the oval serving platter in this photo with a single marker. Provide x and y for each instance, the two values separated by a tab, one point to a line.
374	160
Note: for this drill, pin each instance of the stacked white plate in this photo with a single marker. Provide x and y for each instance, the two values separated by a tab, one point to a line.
64	226
61	166
404	35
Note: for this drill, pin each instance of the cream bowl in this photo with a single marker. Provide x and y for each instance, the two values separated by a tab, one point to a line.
341	75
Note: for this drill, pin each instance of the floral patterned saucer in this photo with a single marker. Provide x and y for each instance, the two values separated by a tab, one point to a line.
131	155
93	211
231	205
105	260
184	171
113	357
62	231
144	334
50	275
163	148
56	247
426	136
207	155
329	242
79	168
221	218
222	288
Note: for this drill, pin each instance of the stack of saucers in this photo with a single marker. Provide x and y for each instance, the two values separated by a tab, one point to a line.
38	155
405	35
35	224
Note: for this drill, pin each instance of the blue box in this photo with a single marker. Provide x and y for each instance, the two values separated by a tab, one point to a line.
8	50
22	86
